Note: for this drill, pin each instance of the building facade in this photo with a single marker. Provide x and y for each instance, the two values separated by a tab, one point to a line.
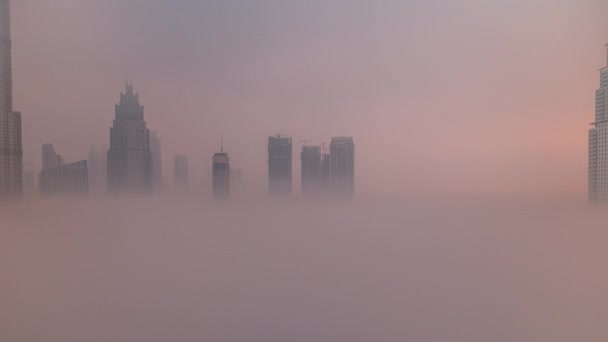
50	158
65	179
98	169
342	166
157	163
129	157
11	150
221	176
598	143
311	169
180	172
325	172
279	165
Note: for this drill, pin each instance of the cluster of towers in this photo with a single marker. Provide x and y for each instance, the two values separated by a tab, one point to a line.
323	172
132	163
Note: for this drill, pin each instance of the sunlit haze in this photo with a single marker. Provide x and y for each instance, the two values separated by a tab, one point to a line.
443	98
303	171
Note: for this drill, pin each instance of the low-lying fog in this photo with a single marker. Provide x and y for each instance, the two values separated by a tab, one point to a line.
172	269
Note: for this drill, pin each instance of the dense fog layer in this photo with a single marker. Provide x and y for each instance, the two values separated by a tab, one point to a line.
170	269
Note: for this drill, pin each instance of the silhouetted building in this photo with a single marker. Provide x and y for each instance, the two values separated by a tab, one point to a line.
11	150
221	176
98	169
50	158
65	179
342	166
129	157
155	150
279	165
598	146
180	172
311	169
324	176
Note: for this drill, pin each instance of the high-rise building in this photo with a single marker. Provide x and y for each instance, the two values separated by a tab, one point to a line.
65	179
598	143
279	165
11	150
221	175
180	172
155	150
129	157
98	169
342	166
324	175
50	158
311	169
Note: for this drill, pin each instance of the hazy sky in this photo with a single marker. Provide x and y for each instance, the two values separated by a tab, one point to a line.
442	97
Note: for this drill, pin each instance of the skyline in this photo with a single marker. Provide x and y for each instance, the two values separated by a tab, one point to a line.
390	108
303	170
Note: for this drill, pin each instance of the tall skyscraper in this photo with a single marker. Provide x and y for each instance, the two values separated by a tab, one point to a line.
325	170
342	166
598	143
311	169
221	175
50	158
11	151
129	157
279	165
57	177
98	169
65	179
155	150
180	172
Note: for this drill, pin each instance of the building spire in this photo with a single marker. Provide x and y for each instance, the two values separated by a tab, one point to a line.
222	148
129	88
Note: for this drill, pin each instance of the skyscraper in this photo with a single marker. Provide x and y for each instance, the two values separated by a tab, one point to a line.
342	166
221	175
57	177
11	151
598	143
98	168
155	150
65	179
50	158
180	172
279	165
129	157
325	170
311	169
